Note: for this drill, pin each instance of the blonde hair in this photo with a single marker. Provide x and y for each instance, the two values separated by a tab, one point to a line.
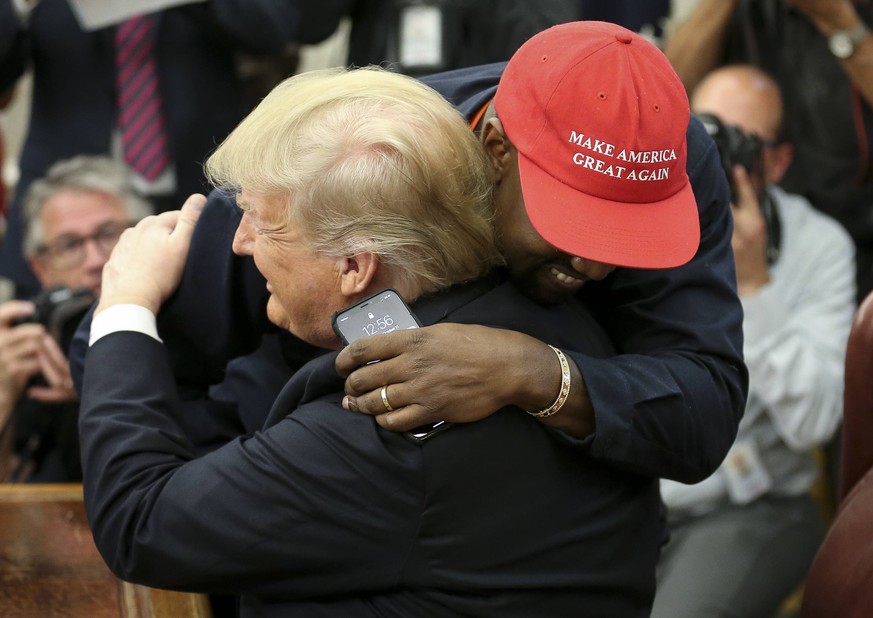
368	160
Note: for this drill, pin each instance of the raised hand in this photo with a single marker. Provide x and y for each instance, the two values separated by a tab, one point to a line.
146	265
749	240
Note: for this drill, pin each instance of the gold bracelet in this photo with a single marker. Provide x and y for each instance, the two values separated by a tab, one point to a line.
565	387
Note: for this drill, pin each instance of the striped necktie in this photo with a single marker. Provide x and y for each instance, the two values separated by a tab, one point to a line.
140	118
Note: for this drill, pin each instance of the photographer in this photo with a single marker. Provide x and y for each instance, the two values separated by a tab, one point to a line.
821	54
743	539
73	218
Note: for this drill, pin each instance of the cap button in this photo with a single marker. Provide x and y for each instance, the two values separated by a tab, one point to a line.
623	37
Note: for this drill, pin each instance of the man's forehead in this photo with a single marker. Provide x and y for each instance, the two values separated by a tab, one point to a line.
75	209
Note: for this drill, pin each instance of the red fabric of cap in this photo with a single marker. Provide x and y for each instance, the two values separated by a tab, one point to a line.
599	119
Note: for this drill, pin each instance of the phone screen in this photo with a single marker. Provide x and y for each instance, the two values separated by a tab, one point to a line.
381	313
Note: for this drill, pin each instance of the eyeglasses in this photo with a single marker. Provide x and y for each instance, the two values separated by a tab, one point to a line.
68	251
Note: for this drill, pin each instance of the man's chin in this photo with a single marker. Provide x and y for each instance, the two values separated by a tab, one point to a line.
276	315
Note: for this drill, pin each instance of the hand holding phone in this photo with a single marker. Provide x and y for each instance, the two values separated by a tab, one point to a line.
382	313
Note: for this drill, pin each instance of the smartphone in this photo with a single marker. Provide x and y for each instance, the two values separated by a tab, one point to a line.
384	312
381	313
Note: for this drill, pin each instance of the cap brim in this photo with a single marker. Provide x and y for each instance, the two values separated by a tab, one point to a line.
661	234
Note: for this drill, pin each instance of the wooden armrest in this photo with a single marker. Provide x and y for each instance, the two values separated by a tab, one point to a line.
49	565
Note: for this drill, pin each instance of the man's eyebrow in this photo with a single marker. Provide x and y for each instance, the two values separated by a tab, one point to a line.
243	205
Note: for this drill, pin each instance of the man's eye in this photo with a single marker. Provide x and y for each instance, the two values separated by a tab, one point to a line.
62	244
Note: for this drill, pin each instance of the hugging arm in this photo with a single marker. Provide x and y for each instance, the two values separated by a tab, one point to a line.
667	405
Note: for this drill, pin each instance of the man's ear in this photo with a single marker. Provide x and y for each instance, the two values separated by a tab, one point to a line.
779	158
357	272
497	148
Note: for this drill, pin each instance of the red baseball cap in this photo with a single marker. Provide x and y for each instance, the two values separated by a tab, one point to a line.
599	118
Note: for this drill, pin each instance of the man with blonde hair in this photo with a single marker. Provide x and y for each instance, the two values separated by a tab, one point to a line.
360	181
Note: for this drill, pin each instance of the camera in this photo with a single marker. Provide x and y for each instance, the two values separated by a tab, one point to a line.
60	310
735	147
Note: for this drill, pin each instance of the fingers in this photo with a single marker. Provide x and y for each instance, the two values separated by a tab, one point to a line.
19	358
19	344
51	394
15	310
404	415
56	370
746	197
147	263
369	379
404	418
188	216
54	365
358	355
373	401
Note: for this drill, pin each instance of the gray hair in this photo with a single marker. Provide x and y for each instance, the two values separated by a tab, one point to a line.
84	173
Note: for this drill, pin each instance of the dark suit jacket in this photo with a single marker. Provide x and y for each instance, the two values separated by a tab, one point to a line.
73	98
323	513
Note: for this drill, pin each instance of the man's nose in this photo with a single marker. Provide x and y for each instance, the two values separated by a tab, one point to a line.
595	271
242	239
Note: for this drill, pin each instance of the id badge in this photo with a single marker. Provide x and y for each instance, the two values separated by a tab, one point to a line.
746	476
420	43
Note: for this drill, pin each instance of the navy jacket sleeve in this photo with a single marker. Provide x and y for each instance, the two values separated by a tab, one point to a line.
670	403
202	342
252	517
467	89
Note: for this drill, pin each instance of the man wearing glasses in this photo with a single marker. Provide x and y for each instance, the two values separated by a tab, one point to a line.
73	218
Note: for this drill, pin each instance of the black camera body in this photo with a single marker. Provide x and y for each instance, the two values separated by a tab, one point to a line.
60	310
736	147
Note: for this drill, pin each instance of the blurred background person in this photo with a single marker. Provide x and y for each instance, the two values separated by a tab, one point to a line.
5	98
157	91
418	37
743	539
73	218
644	16
821	54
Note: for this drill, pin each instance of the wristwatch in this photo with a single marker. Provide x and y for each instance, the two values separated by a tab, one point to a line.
843	43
